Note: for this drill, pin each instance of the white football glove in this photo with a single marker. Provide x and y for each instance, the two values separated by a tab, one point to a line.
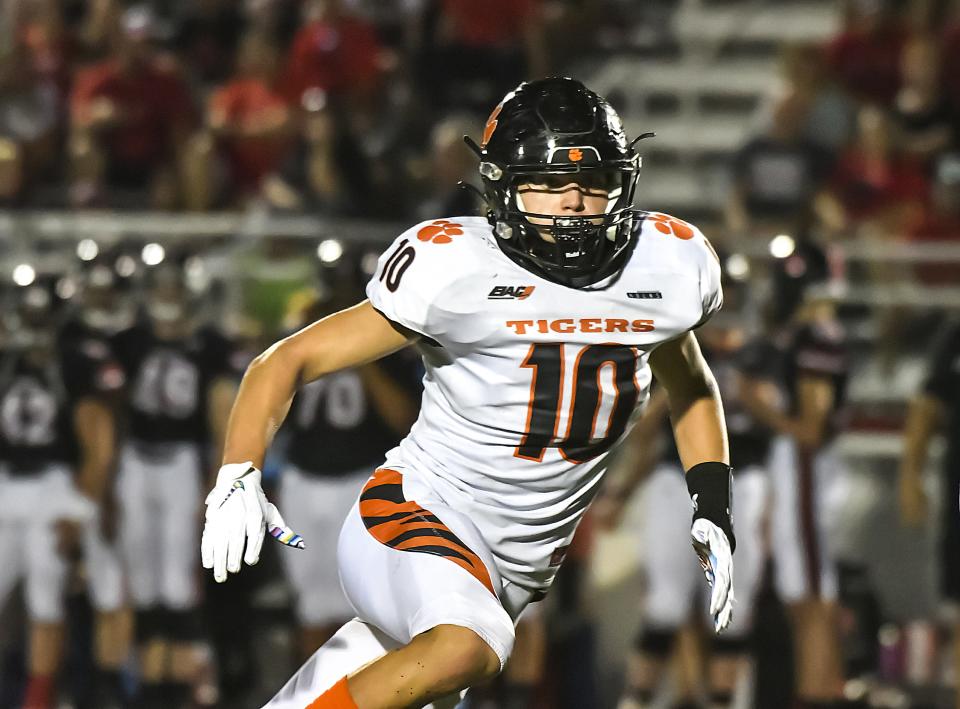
237	516
713	548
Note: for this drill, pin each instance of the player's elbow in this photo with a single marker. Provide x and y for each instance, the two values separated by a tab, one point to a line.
278	361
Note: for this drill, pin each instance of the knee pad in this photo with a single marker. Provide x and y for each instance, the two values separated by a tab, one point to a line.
658	643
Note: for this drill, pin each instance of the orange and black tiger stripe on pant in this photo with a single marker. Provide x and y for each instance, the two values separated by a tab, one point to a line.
406	526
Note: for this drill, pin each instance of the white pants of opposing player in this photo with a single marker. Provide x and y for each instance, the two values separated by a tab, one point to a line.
31	506
674	577
316	507
403	590
803	559
159	502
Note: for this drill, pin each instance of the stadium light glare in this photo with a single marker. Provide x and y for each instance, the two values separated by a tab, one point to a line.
66	288
782	246
738	267
87	250
329	251
125	266
24	274
153	254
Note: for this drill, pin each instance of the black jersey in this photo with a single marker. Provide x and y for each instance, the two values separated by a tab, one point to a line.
334	426
38	399
817	350
169	381
748	438
943	383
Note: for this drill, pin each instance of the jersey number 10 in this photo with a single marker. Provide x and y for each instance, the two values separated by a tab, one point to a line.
543	414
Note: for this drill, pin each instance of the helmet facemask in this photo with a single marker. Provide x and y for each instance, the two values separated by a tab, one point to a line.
574	249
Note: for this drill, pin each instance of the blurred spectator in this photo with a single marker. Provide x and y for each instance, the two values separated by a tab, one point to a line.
250	117
335	51
942	221
875	188
922	109
277	19
326	171
96	32
130	114
41	29
29	123
778	173
477	52
830	112
865	56
450	161
207	36
950	60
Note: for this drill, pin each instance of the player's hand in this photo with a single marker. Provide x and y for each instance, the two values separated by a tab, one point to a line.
713	548
913	501
69	534
236	517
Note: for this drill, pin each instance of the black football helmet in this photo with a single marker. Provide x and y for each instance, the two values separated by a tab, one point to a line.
555	127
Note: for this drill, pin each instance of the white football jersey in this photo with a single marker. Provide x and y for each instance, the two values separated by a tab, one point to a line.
529	384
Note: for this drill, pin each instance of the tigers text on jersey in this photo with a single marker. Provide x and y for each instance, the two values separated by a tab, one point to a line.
528	383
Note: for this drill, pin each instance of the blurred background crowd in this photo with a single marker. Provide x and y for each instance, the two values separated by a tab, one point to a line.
182	183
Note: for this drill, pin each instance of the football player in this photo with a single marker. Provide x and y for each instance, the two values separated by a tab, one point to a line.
937	407
540	327
814	369
339	429
57	451
181	377
671	578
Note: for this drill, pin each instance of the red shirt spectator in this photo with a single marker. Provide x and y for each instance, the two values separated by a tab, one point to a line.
252	108
141	107
866	186
492	23
865	57
337	53
873	179
251	116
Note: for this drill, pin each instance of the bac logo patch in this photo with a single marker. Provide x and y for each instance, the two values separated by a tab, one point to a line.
510	292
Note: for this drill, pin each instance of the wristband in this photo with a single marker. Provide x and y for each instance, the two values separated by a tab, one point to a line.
709	485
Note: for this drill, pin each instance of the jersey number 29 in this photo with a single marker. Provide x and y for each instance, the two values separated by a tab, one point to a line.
580	443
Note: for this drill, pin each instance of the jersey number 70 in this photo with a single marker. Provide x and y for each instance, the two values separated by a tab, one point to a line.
579	443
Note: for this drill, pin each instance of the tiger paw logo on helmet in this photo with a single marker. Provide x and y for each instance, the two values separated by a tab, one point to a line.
666	224
440	231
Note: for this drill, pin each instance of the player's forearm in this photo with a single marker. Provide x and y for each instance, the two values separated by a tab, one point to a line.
96	434
699	428
393	403
922	420
261	405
